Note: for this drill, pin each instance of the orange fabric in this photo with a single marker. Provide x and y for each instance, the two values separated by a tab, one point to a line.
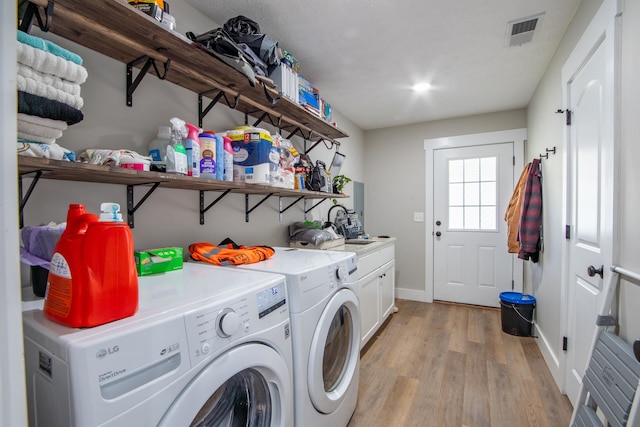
512	215
229	254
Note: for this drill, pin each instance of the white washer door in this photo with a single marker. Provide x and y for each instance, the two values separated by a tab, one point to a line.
334	352
249	385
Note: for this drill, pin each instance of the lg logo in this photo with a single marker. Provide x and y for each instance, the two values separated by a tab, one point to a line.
104	352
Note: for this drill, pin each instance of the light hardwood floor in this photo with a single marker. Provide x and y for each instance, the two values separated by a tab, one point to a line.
451	365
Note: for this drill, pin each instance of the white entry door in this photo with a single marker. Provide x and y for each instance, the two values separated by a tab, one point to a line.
472	187
589	79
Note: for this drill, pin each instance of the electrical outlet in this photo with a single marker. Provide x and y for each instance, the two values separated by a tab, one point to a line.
418	217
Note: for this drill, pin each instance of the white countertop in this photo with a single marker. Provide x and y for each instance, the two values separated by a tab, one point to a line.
362	249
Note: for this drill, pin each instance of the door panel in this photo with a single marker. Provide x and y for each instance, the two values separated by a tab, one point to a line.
472	186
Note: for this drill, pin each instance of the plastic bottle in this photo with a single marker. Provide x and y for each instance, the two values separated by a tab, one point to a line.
176	153
220	160
208	160
158	147
228	159
93	278
192	147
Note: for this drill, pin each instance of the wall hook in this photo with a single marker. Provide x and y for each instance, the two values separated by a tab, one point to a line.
551	150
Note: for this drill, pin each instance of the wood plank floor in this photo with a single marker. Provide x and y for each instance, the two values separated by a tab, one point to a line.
451	365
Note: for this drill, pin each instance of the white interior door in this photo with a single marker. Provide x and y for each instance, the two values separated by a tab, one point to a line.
472	187
589	80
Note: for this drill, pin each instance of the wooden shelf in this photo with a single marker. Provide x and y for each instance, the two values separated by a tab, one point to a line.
83	172
118	30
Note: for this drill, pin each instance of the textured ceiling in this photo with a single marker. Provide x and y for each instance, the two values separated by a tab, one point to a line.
365	55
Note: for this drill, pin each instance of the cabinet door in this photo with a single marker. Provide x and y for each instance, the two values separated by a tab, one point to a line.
386	274
369	306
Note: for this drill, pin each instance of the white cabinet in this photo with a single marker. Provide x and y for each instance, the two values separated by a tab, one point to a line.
376	289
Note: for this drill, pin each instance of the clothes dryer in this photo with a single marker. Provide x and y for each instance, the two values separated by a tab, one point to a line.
325	325
207	347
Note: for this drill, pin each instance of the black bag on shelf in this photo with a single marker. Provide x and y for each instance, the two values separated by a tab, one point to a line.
247	31
218	43
317	181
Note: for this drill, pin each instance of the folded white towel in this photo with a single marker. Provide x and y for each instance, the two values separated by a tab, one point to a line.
43	121
34	87
36	138
49	63
42	131
49	79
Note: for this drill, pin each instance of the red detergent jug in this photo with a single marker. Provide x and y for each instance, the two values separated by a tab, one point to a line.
93	278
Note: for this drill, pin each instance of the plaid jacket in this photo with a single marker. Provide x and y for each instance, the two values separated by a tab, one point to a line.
529	230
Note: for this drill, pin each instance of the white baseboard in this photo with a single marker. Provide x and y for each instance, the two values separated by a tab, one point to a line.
553	363
412	295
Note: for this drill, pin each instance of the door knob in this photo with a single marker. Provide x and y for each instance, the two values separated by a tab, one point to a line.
592	271
438	234
438	223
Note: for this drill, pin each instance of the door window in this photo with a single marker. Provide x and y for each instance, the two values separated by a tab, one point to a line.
243	400
472	194
337	349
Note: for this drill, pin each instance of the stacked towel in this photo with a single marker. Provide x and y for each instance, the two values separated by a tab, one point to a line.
48	83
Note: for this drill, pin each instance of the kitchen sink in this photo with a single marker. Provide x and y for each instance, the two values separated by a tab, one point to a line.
358	241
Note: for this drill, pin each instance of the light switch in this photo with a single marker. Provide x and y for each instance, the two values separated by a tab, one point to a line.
418	217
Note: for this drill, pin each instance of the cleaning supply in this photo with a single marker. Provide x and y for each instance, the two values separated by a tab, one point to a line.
192	147
228	159
208	155
220	149
176	153
158	147
251	155
93	278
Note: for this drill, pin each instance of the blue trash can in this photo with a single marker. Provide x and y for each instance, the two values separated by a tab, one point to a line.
517	313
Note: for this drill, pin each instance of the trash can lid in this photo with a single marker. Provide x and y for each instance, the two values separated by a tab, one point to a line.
517	298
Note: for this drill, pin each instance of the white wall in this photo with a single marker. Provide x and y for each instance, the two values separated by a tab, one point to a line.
169	217
395	186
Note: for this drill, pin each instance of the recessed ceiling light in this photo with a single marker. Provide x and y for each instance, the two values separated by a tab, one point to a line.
421	87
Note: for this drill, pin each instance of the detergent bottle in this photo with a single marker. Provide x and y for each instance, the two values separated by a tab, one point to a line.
93	278
193	151
228	159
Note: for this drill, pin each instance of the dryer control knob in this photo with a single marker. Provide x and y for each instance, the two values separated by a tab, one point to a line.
341	273
228	323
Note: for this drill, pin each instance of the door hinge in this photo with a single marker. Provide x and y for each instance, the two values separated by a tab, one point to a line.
514	160
568	115
567	232
513	284
564	343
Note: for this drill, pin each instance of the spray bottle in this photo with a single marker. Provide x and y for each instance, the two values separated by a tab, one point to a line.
176	153
192	147
93	278
228	159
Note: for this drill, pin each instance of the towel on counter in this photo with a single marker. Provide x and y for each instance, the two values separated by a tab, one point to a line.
42	107
47	151
49	63
48	46
34	87
48	79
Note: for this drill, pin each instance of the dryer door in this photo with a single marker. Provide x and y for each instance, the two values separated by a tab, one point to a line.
334	355
249	385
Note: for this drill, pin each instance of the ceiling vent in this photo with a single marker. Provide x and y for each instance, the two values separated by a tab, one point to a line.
522	31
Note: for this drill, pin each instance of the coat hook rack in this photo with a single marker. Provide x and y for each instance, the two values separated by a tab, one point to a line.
546	155
567	113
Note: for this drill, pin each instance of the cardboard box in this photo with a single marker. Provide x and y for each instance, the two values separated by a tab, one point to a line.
161	260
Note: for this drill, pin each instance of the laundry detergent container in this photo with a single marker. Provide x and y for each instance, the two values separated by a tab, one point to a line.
517	313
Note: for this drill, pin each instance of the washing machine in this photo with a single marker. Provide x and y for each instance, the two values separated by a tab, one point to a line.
206	348
325	328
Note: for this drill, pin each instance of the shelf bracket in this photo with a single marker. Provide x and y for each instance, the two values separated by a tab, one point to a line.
246	205
306	211
272	101
131	208
24	199
221	94
132	84
264	116
33	11
203	210
298	130
283	210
